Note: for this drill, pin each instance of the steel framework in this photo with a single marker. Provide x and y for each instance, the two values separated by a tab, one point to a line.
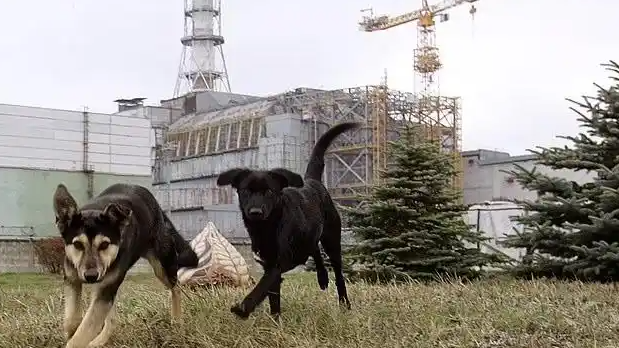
357	158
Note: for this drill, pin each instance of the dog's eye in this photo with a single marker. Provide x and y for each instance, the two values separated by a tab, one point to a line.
104	246
78	245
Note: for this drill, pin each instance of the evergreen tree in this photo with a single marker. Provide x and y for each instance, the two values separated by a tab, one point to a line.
572	230
413	225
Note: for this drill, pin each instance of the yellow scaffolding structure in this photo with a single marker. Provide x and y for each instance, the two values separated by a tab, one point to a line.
431	107
379	118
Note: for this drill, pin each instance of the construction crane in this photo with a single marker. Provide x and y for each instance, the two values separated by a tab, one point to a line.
439	116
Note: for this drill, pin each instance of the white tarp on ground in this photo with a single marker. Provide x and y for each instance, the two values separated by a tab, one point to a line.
219	261
494	219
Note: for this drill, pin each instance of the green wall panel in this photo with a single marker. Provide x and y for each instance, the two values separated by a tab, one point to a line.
26	196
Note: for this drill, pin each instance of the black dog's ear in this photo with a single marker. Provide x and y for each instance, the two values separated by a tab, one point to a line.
117	214
232	177
287	177
65	207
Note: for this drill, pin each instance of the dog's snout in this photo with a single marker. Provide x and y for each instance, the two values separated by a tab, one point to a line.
91	275
255	212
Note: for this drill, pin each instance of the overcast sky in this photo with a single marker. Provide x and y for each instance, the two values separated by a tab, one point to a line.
513	64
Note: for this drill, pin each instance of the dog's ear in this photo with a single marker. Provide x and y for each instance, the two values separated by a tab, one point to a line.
287	177
65	207
117	214
232	177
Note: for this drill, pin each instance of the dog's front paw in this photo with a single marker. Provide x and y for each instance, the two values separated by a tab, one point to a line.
95	345
71	344
70	327
68	334
345	303
240	311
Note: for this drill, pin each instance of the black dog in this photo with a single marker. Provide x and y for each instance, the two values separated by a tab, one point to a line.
286	216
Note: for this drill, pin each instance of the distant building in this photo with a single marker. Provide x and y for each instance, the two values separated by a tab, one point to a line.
485	181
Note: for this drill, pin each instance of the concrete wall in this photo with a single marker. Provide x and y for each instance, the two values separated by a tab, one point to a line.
42	138
485	181
27	196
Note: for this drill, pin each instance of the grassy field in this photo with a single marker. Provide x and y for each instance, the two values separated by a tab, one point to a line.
496	313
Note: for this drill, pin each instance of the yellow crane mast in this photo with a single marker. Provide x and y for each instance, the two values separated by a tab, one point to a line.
439	116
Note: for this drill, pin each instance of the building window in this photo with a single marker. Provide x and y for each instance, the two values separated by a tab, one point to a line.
223	137
191	147
245	131
234	136
255	132
212	139
173	139
181	150
202	143
187	147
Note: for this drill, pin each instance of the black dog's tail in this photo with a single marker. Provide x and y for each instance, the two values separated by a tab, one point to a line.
316	164
186	256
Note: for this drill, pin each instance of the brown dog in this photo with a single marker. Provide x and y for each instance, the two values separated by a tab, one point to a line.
103	239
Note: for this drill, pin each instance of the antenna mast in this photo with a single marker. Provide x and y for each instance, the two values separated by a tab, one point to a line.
202	66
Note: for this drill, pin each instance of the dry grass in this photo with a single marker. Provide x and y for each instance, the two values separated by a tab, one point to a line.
497	313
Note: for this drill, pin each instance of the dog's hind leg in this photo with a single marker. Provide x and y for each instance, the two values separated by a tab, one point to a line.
321	271
331	241
100	306
335	256
166	269
106	333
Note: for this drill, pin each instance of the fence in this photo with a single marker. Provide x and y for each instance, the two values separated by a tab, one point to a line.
493	218
17	249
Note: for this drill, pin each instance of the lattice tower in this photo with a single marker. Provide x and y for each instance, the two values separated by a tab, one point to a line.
203	65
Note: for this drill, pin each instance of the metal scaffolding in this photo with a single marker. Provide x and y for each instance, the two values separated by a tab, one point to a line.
357	158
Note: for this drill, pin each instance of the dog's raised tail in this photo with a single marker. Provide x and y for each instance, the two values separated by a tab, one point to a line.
316	165
187	257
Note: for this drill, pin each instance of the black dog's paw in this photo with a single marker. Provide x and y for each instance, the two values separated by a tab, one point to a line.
323	279
345	303
240	311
